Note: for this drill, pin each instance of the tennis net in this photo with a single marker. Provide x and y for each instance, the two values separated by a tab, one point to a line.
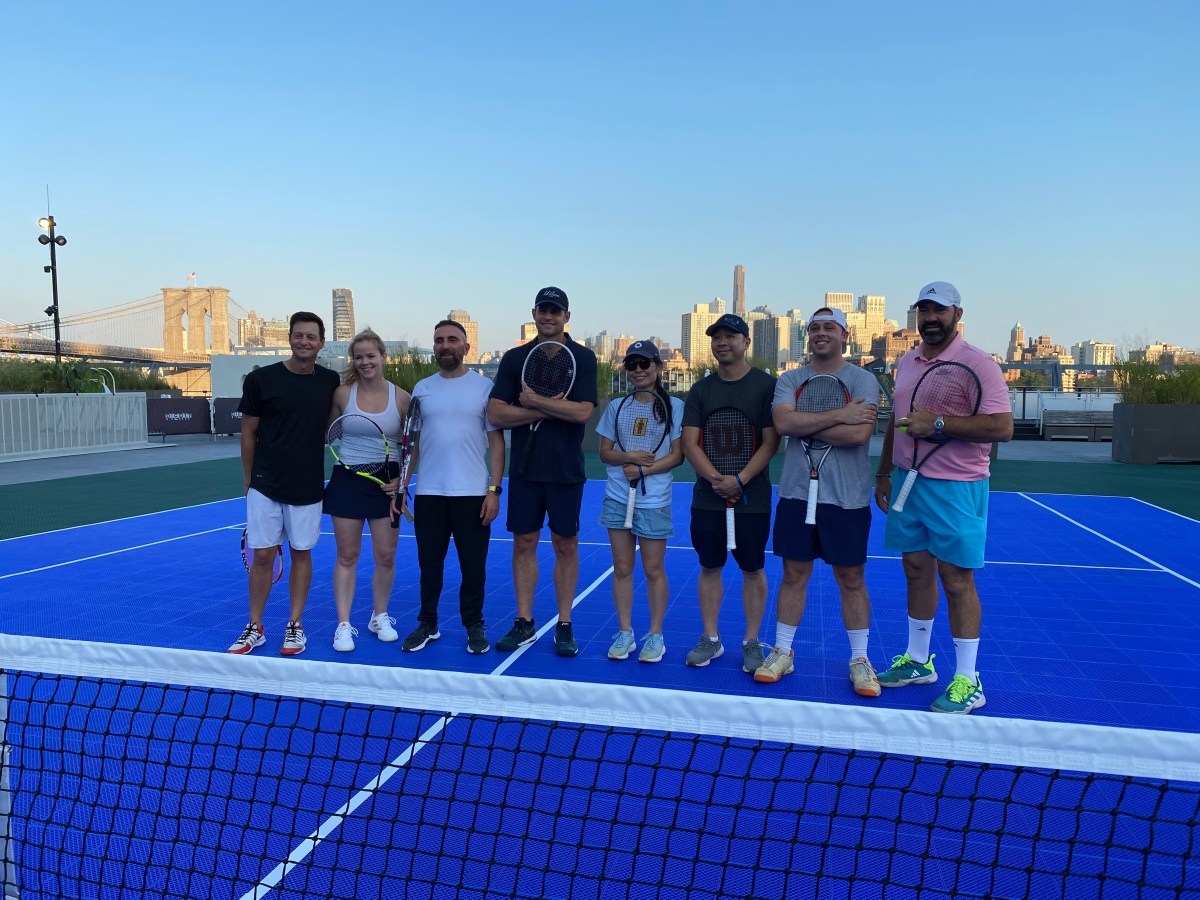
139	772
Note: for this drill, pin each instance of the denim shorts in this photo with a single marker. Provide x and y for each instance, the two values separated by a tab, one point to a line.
652	524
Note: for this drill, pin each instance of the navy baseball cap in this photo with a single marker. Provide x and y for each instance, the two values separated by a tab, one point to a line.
730	321
552	295
645	349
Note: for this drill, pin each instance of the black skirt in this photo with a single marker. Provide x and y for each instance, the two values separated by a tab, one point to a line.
351	496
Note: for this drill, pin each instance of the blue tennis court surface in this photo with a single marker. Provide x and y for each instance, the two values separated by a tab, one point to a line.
124	789
1091	607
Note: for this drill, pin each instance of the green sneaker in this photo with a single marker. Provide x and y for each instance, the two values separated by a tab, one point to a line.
961	696
906	670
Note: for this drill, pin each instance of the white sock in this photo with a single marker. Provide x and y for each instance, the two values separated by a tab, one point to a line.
784	635
966	651
858	641
714	638
920	631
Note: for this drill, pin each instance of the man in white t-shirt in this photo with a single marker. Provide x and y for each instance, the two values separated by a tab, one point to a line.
458	491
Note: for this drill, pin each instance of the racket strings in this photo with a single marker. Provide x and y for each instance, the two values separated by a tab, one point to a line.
359	445
641	426
549	374
821	395
948	390
729	441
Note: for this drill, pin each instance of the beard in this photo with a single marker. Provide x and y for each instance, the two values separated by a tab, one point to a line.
934	335
448	360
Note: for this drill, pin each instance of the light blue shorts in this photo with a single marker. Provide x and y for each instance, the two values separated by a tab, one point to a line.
652	524
947	518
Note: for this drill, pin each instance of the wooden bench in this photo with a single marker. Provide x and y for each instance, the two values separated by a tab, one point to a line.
1076	425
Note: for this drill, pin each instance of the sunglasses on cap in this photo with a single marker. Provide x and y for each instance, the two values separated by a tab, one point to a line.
640	363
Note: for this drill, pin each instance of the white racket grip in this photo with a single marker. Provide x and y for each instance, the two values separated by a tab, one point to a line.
810	515
630	504
909	480
730	529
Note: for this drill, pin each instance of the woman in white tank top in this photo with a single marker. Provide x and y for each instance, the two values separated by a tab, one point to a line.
350	499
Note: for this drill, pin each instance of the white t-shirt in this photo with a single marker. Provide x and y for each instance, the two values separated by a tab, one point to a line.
454	444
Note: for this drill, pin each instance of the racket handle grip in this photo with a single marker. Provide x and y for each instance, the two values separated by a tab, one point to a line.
909	480
810	515
730	529
629	505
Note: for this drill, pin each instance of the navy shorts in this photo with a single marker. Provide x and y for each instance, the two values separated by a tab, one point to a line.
839	536
708	538
532	503
350	496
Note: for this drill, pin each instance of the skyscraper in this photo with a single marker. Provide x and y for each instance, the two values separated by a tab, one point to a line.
842	301
343	314
471	327
694	343
739	290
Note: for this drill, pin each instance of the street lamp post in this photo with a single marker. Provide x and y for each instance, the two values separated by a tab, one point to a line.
52	310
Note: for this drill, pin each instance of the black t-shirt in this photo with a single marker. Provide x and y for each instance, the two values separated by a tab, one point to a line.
293	412
752	394
558	448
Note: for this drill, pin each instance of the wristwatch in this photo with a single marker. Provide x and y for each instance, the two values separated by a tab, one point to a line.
938	424
495	489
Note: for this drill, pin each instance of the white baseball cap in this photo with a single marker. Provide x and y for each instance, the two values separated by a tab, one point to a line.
831	315
942	293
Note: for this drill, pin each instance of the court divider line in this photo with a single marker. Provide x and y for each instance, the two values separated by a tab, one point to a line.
1115	543
307	846
161	512
71	562
1164	509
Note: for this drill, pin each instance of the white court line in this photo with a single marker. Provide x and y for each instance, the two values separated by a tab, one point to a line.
306	847
38	534
71	562
1164	509
1104	537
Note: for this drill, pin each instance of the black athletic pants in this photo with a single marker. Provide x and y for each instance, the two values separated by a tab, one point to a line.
436	519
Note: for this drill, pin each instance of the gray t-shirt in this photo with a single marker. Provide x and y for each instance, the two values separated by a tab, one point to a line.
846	477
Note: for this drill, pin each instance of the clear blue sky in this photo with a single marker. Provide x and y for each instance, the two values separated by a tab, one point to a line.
1042	156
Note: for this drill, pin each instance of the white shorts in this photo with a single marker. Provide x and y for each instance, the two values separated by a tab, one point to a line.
269	523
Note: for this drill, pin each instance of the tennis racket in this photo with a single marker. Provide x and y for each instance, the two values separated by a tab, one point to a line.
729	440
945	389
408	444
247	553
821	393
549	371
641	427
359	446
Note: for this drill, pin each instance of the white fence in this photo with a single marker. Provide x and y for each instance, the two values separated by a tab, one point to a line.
36	425
1031	404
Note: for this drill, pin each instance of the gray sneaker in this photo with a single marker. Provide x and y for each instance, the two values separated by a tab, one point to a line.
704	652
752	656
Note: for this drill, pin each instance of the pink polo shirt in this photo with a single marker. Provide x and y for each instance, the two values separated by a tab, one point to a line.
957	460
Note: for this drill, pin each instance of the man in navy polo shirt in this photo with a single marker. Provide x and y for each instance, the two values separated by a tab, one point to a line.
551	489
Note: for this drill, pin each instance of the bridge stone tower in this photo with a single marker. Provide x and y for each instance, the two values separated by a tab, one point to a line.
194	304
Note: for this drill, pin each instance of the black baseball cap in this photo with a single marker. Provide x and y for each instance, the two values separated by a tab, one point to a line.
552	295
730	321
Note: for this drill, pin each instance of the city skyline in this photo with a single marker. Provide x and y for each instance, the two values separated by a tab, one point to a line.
1059	194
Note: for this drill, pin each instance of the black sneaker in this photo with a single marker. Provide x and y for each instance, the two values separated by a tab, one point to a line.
423	634
477	641
523	632
564	640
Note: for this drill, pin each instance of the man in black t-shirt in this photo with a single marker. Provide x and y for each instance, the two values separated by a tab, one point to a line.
285	410
551	488
739	385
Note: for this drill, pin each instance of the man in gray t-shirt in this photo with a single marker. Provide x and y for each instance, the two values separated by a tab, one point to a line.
843	515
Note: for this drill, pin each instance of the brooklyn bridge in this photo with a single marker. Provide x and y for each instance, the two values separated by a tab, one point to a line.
177	328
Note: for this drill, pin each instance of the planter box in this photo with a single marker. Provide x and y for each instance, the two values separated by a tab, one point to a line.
1145	434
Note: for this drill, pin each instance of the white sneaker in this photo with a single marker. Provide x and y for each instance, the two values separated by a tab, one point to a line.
381	625
343	638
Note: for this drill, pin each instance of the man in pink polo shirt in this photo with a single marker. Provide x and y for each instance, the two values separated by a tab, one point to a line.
943	527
